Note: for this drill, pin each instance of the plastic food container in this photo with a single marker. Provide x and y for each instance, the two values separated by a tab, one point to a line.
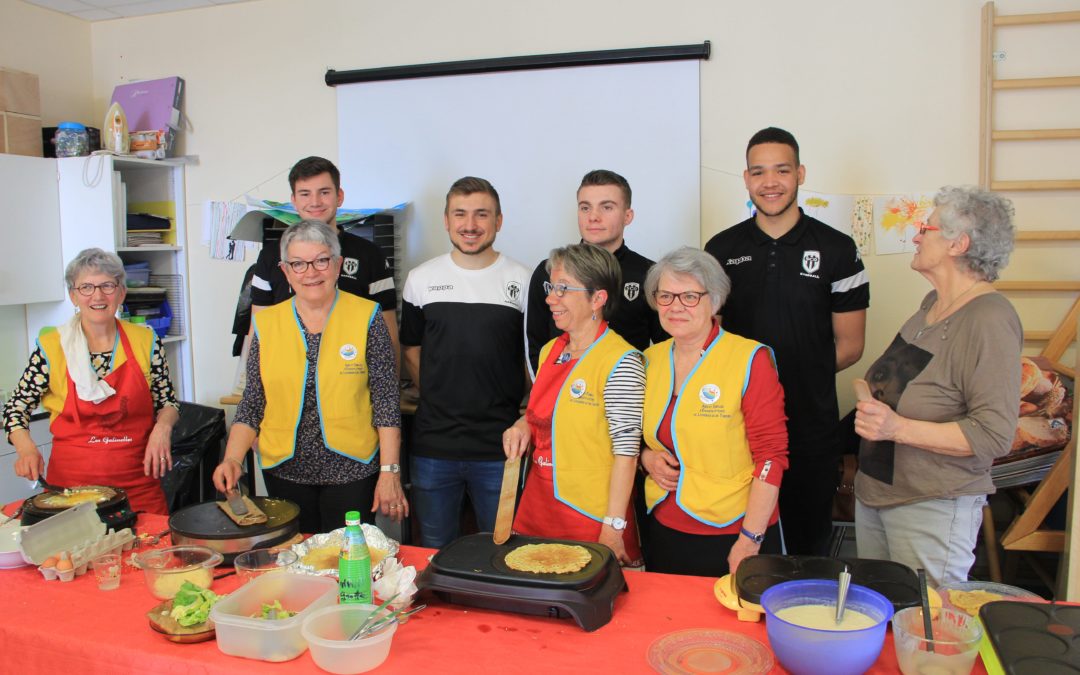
810	651
260	561
327	632
167	569
72	140
983	592
240	635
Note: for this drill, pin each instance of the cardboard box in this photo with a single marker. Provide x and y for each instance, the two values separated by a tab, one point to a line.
20	134
153	105
19	92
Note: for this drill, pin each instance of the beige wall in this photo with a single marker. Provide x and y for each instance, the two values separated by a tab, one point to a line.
882	95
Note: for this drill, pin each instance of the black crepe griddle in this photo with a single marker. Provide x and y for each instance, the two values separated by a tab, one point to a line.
472	571
207	525
895	581
1033	638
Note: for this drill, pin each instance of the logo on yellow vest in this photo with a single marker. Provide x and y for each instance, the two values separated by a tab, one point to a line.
709	394
348	351
577	388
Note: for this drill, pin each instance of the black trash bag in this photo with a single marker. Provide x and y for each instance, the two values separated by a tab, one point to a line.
197	441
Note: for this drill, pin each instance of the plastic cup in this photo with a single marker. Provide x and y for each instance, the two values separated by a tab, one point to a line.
107	571
955	643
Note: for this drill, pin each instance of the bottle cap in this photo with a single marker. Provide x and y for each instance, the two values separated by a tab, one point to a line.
353	516
71	125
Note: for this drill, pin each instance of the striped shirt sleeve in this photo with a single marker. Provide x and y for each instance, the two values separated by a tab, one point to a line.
624	397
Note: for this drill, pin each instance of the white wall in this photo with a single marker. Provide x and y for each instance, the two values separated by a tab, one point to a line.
882	95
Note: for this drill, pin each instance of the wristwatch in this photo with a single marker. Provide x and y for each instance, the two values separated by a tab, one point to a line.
615	522
756	538
390	468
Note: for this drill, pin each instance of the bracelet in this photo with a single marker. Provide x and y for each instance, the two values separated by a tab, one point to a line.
238	462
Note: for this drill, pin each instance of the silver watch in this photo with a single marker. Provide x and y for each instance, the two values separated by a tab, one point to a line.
615	522
390	468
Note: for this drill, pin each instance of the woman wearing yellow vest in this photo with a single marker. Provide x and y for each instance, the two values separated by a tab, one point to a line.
584	414
105	384
714	425
321	394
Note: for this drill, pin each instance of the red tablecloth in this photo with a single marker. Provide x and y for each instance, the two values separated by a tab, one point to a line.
55	627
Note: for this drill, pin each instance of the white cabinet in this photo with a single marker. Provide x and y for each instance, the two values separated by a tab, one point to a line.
95	195
30	230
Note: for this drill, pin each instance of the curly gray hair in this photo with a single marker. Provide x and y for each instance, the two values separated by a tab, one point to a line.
314	231
986	218
692	262
94	260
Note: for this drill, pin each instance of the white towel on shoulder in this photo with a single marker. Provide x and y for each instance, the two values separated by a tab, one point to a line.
88	385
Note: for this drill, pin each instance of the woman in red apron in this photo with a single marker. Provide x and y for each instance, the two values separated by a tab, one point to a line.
106	386
584	414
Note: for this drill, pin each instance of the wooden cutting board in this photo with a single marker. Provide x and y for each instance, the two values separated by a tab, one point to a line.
163	623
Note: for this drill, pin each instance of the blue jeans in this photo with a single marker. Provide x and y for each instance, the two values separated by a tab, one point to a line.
438	487
938	535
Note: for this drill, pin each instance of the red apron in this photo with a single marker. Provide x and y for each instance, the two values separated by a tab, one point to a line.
105	444
539	514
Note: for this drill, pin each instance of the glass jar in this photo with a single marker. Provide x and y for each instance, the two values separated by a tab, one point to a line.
72	140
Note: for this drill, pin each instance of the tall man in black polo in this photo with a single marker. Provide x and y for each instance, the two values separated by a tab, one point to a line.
315	186
798	286
603	214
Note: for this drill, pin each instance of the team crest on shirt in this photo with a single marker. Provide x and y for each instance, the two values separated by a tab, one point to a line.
631	291
348	351
811	261
709	394
513	291
577	388
350	266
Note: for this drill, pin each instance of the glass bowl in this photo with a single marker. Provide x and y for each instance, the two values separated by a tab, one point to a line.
259	561
955	644
167	569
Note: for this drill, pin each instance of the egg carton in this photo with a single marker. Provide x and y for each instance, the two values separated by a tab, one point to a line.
82	554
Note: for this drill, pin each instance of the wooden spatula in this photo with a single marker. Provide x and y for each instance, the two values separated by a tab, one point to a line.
504	519
862	390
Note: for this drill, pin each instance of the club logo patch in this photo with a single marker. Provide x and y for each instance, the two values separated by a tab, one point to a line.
348	351
577	388
513	291
631	291
709	394
350	266
811	261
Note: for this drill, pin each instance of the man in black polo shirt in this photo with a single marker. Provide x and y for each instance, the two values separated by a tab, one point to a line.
798	286
603	214
315	184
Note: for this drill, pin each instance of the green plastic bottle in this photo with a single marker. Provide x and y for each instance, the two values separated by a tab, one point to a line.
354	564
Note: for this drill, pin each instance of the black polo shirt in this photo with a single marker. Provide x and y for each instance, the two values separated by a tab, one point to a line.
783	294
632	319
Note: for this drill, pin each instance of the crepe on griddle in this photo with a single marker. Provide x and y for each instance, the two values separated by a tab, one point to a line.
548	558
73	497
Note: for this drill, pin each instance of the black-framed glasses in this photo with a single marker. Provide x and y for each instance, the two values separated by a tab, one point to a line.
687	298
301	266
560	289
87	289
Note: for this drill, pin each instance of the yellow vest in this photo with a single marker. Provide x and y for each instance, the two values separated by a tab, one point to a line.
708	430
341	381
142	342
581	454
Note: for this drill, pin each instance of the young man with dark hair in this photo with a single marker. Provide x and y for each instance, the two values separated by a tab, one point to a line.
462	344
604	212
315	186
798	286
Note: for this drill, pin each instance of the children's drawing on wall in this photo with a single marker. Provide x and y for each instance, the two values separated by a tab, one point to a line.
219	219
833	210
896	221
862	223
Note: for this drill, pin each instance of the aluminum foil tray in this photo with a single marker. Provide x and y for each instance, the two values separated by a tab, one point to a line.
375	539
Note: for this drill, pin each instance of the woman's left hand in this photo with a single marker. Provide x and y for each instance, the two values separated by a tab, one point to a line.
742	548
157	460
390	497
876	421
612	538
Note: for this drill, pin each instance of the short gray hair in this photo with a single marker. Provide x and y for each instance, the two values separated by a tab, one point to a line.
314	231
95	260
594	267
692	262
986	218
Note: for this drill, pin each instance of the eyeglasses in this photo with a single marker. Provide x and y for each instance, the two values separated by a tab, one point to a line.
687	298
108	288
926	227
301	266
560	289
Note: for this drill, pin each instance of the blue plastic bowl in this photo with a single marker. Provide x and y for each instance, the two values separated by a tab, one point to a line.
809	651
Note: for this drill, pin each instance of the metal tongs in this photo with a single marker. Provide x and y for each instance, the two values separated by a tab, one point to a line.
377	625
841	598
